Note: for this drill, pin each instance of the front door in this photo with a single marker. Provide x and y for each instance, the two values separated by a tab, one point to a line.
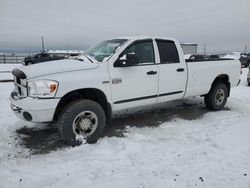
135	85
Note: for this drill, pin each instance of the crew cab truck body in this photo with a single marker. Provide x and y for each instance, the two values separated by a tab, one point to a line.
81	95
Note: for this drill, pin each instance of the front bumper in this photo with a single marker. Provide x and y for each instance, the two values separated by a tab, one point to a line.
34	110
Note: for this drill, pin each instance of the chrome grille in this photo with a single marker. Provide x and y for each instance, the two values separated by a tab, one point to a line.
21	87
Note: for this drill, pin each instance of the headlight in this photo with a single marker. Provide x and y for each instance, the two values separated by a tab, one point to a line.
42	88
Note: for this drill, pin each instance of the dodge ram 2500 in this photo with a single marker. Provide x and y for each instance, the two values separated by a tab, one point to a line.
81	95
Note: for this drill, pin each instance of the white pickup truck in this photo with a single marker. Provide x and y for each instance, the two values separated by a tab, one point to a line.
81	95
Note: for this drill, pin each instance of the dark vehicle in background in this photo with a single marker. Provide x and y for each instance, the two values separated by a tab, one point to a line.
248	76
248	59
41	57
201	57
243	57
50	55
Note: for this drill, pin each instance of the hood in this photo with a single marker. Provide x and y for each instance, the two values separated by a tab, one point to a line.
54	67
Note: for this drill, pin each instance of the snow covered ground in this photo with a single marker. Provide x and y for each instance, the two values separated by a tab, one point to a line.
5	71
188	146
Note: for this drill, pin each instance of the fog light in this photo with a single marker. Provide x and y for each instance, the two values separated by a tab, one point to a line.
27	116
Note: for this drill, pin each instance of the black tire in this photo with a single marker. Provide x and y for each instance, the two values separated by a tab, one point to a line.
69	129
247	64
29	63
217	97
248	83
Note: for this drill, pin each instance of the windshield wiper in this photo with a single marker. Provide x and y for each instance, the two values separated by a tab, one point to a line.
79	59
89	58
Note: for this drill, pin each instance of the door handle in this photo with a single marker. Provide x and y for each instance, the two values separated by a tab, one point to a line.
151	72
180	69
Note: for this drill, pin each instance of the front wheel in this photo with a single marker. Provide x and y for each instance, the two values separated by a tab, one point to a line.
82	119
29	63
217	97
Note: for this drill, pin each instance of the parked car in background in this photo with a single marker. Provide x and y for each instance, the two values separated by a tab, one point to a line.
243	57
248	76
214	56
51	55
187	56
200	57
41	57
248	59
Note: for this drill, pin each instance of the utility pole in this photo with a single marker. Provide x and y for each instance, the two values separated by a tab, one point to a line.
205	48
245	49
42	44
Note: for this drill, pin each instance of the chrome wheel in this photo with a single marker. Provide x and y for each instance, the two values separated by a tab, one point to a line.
219	97
85	123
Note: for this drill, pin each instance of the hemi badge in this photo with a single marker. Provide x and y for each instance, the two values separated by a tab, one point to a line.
105	82
116	81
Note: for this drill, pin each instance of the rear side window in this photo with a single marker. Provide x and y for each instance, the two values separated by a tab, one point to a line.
168	51
44	55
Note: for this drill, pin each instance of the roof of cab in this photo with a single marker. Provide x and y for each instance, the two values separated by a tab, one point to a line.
141	37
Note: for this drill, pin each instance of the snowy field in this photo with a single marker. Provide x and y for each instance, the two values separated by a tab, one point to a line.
181	145
5	71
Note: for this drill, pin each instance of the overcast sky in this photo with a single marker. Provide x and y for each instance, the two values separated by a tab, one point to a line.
224	25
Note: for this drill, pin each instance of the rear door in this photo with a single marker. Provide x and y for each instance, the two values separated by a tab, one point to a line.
172	72
44	57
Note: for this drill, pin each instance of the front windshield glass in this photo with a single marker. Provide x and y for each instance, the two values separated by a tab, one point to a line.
104	49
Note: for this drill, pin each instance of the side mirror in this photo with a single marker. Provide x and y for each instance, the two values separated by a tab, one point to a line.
128	60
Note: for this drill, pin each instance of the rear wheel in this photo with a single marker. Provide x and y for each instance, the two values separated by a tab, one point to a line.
82	119
217	97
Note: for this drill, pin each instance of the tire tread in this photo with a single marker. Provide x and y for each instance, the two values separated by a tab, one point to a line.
209	98
67	113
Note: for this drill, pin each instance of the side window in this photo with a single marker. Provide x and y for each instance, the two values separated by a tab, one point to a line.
144	50
168	51
44	55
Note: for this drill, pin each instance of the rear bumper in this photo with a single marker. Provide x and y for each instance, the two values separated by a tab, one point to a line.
34	110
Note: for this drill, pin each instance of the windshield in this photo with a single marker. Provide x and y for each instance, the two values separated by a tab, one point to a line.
104	49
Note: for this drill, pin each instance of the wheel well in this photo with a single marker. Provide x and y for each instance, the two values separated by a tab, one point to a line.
90	93
29	61
223	78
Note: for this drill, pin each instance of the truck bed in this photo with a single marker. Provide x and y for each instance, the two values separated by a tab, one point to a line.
201	74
